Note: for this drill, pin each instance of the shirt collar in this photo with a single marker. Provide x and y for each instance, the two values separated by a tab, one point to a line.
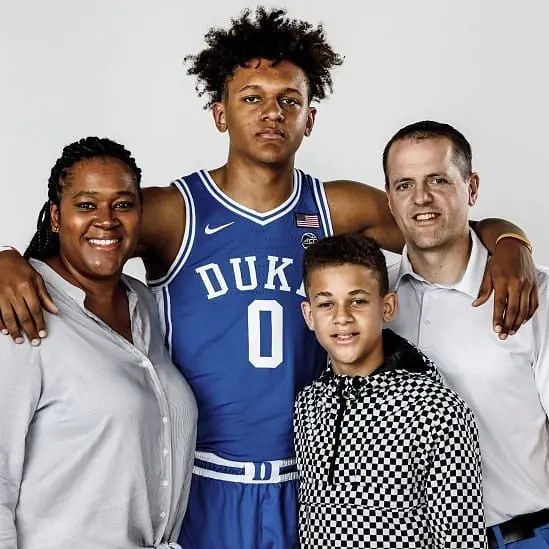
74	293
471	279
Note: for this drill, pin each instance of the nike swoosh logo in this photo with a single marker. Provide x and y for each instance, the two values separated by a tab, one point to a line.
213	230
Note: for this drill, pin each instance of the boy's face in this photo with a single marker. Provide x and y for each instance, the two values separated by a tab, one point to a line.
346	312
266	111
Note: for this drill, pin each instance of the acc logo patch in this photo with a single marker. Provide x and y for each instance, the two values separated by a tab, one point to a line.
308	239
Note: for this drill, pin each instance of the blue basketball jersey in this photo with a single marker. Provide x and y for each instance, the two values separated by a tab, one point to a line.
231	306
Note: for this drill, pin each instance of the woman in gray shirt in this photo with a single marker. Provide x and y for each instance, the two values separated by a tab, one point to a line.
97	427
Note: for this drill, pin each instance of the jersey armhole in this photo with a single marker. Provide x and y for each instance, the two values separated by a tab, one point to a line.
188	237
323	208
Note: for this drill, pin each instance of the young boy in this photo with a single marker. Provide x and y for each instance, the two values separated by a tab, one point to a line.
387	455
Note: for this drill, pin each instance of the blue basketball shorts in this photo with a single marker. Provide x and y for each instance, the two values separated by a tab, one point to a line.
237	505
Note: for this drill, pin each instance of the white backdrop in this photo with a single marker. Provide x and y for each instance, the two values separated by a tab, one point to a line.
115	68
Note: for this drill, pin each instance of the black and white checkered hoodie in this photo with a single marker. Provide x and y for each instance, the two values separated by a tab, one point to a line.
388	461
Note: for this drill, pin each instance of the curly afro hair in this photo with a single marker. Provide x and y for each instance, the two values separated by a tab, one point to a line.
271	35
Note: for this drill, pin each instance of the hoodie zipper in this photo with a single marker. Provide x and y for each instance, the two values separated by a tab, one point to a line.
339	420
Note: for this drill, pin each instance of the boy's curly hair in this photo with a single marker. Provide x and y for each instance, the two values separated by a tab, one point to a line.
271	35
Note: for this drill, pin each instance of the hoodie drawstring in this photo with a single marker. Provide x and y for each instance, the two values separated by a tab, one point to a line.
339	419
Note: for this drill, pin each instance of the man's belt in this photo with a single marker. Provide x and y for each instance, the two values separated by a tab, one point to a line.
518	528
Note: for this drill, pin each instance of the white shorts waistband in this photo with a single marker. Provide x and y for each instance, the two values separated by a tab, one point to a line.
210	465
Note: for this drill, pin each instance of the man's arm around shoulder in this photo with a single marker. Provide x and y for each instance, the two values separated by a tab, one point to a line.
23	292
357	207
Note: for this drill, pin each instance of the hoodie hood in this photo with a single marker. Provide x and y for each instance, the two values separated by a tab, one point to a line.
400	354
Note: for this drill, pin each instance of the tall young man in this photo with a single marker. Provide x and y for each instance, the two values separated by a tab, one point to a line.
431	185
223	250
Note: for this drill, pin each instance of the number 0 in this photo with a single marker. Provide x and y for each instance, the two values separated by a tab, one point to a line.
255	329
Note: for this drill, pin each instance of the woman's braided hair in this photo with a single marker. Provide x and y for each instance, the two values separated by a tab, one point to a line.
45	242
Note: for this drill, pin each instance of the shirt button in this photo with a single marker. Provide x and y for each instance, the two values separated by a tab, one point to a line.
165	483
427	322
165	419
163	514
165	451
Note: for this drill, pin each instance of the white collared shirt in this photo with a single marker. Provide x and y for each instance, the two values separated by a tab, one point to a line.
505	383
97	435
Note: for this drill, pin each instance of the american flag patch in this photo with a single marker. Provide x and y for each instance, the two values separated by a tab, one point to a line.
309	221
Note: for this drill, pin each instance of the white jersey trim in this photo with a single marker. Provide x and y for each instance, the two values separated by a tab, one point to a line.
213	466
188	237
261	218
167	306
323	208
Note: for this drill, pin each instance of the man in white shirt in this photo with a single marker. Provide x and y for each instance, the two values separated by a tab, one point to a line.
430	186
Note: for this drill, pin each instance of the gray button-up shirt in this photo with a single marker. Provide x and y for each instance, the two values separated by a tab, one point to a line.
97	435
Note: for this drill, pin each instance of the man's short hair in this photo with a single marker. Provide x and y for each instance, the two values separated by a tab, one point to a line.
350	248
428	129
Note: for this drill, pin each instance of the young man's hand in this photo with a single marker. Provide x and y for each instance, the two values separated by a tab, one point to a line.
22	296
511	273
